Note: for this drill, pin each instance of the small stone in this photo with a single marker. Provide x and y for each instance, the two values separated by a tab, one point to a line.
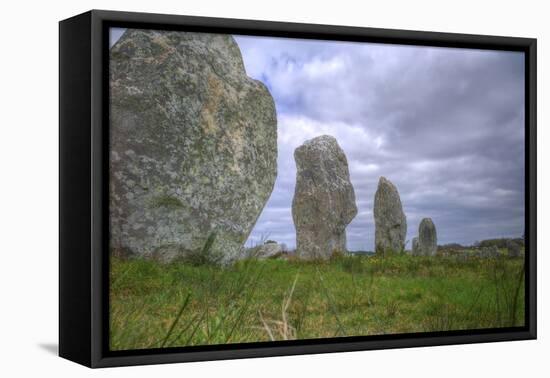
269	250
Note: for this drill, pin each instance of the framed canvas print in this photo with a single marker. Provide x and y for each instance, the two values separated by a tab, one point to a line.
233	188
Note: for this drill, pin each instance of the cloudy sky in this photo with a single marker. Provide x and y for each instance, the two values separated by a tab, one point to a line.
446	126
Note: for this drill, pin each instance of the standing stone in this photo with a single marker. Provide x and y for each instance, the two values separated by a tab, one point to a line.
324	199
389	219
427	238
415	251
514	249
193	144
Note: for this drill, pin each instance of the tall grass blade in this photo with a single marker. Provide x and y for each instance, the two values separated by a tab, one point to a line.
246	304
176	320
513	308
330	302
266	326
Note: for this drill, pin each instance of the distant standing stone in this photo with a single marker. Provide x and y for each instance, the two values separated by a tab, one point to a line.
324	199
494	251
489	252
389	219
427	238
415	251
514	249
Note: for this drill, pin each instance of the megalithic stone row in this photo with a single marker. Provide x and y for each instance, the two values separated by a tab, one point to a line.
324	198
389	219
193	144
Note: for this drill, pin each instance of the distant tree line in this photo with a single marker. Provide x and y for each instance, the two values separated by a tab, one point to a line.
487	243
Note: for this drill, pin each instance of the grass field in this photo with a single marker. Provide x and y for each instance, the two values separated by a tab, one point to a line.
163	305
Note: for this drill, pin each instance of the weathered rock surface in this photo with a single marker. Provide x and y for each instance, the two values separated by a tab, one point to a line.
414	250
427	238
514	248
324	199
389	219
265	251
193	144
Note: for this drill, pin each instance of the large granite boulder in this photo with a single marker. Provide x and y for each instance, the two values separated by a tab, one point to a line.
324	199
193	145
427	238
389	219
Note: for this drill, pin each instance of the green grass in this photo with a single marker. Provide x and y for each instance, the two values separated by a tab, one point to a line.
155	305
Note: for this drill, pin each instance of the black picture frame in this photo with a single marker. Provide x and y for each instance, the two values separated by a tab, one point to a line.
83	193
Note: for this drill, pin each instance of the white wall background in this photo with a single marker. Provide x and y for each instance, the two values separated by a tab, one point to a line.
29	189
